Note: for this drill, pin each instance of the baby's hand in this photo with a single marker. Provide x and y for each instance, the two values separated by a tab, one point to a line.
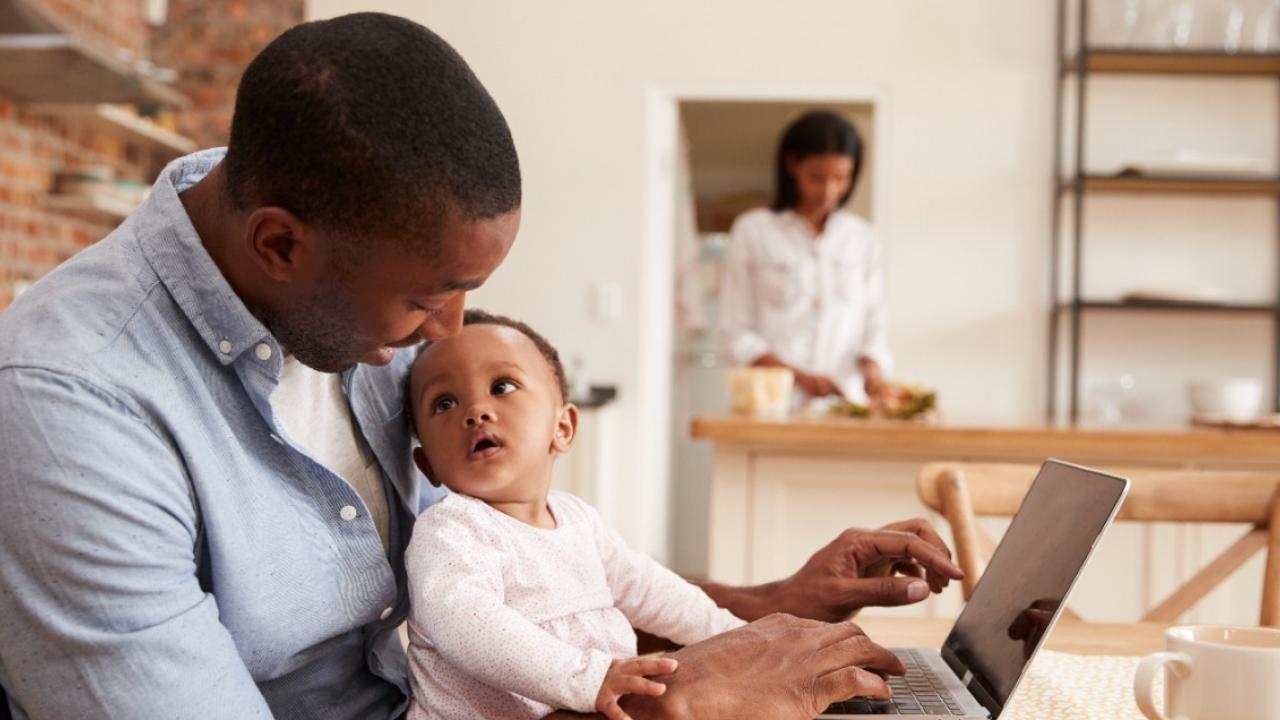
627	677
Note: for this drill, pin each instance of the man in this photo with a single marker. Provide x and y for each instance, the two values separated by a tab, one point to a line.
206	472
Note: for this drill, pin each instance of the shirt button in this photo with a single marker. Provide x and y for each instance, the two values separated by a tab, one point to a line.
386	613
348	513
263	351
224	347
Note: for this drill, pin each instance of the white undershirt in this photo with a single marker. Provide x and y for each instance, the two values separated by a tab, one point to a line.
315	413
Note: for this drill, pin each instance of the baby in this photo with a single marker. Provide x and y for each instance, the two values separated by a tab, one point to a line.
522	601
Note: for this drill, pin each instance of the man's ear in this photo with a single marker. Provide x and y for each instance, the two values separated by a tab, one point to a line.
566	428
420	458
280	244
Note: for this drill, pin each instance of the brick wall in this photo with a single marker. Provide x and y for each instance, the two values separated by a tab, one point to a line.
209	43
115	23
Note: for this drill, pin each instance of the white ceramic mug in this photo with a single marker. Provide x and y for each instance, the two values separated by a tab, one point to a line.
1213	672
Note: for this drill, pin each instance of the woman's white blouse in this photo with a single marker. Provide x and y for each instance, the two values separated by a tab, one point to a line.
815	301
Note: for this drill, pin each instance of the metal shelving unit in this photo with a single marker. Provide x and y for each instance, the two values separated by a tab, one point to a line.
1092	60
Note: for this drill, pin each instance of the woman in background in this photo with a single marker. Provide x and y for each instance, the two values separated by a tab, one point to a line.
802	286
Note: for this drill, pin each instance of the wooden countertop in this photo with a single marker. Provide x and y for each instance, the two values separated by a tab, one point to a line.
890	439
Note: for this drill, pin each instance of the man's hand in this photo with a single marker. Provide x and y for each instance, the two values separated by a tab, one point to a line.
630	677
898	564
1031	623
781	667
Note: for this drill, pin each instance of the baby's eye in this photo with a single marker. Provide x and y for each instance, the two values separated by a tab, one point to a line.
502	387
443	404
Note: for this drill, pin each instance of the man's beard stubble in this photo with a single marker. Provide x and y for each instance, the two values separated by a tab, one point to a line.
319	331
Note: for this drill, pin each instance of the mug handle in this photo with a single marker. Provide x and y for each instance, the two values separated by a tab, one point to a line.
1145	677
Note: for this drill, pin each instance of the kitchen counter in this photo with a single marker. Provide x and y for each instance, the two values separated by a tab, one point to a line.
885	439
780	489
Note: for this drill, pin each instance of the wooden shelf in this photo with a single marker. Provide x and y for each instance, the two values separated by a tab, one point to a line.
1172	306
1178	185
98	206
43	60
1154	62
123	120
60	68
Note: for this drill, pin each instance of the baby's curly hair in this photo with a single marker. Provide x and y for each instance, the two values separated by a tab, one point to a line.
480	317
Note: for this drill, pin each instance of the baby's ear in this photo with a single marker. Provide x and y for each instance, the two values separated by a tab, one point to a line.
420	458
566	428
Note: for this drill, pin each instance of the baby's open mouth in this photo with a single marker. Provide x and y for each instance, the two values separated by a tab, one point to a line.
483	444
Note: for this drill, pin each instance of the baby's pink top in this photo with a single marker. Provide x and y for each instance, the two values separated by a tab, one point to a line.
513	621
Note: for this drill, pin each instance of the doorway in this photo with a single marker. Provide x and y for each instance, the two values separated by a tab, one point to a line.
724	164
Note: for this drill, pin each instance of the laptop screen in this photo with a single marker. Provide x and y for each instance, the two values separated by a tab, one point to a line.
1029	576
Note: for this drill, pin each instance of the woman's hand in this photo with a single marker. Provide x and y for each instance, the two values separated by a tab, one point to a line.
873	381
817	386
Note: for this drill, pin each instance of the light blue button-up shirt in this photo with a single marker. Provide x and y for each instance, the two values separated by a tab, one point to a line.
165	551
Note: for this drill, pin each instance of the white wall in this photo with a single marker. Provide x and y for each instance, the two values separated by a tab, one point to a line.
966	111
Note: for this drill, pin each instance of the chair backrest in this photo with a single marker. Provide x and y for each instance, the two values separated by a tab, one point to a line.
960	492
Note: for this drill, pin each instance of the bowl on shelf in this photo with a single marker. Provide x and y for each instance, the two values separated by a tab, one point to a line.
1237	400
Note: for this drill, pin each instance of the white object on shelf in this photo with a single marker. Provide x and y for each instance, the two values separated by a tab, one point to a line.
122	119
1183	161
1266	29
1236	399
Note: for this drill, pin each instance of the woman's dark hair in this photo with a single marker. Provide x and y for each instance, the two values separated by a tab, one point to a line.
819	132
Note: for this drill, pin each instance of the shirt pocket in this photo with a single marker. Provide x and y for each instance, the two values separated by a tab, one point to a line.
849	278
780	283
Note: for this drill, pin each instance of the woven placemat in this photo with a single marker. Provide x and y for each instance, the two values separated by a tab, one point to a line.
1062	686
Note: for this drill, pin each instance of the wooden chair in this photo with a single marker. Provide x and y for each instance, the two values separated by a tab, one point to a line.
962	491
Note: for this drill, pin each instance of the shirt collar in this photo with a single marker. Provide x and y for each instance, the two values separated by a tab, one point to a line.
174	249
834	221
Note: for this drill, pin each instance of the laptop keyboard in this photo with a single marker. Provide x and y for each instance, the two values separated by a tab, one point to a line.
919	692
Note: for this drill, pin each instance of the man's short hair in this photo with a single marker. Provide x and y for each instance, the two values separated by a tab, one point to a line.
371	126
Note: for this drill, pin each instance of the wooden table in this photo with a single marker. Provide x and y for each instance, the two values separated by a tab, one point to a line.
1080	638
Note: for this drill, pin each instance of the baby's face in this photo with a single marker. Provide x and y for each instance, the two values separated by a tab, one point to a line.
489	414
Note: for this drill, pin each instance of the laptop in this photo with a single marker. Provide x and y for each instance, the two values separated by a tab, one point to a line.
1014	606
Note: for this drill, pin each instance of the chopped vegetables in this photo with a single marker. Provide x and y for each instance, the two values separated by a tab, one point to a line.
899	402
